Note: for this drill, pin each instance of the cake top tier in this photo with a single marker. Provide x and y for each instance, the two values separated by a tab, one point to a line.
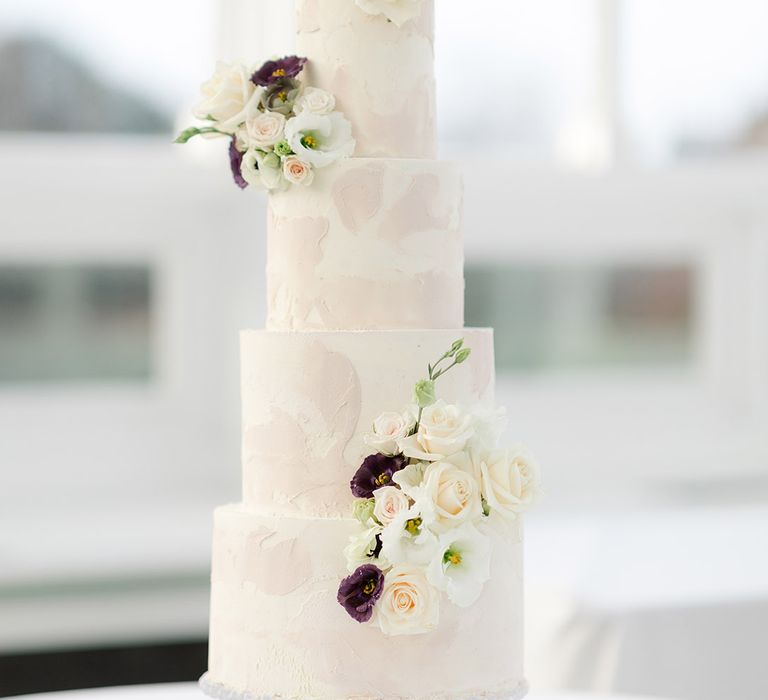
377	58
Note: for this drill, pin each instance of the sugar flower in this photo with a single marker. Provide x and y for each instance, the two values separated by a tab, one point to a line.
365	548
274	71
359	592
320	139
510	480
235	164
461	564
376	471
444	430
228	98
409	603
388	428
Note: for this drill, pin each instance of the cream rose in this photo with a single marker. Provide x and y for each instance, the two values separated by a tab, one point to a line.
444	430
388	428
397	11
509	479
316	101
265	129
229	97
297	171
409	604
449	496
389	502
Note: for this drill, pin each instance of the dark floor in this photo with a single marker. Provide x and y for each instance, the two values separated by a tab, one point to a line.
93	668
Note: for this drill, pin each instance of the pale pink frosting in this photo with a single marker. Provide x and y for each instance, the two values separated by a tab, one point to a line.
373	244
309	398
277	630
382	75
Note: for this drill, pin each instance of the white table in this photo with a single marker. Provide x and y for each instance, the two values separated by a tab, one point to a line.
190	691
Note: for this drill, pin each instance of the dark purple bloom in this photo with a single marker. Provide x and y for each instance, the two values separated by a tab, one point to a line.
359	592
235	161
274	71
376	471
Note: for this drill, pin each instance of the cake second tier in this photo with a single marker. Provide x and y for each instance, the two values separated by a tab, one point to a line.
309	398
373	243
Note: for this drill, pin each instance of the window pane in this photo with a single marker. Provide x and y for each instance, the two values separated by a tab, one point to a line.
694	75
552	318
75	323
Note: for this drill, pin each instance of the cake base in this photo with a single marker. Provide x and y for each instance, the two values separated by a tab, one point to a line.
221	692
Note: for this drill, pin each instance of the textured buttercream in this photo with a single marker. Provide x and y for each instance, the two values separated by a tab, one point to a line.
278	631
382	75
371	244
309	398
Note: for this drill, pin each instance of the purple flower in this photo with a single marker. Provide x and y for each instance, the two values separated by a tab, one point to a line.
359	592
235	161
274	71
376	471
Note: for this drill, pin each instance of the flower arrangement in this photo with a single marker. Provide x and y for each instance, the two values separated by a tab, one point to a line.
426	501
279	129
397	11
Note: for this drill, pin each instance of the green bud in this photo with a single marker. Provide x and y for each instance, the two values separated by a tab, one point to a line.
283	148
457	344
187	134
462	355
413	526
271	160
363	509
486	507
424	393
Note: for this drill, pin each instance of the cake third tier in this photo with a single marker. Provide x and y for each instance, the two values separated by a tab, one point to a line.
309	398
373	243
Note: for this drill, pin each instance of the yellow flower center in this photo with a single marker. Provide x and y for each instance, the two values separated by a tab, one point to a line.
369	587
381	479
278	73
282	95
413	526
452	557
309	141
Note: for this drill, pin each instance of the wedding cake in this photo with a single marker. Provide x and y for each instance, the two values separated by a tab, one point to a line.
377	549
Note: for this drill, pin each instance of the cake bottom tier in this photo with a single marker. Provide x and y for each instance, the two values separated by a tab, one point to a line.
278	631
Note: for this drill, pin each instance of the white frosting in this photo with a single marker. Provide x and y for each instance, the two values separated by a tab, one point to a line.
371	244
382	75
277	630
308	398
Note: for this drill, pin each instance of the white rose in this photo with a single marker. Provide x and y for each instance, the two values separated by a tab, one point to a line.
320	139
361	548
316	101
449	496
389	502
397	11
265	129
229	97
388	428
262	170
297	171
509	479
444	430
409	604
461	564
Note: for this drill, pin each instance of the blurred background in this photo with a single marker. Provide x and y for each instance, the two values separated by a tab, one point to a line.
616	160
